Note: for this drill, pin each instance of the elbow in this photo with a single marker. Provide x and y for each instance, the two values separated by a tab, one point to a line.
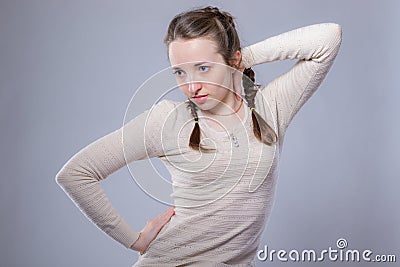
331	37
68	174
74	173
335	32
61	177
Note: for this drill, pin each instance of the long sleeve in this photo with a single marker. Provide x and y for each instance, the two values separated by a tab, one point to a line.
80	177
315	47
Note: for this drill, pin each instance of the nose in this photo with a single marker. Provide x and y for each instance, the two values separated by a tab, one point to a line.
194	87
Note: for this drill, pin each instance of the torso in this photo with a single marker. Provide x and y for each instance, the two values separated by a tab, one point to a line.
222	200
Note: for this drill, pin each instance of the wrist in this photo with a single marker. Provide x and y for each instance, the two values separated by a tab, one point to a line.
135	246
247	57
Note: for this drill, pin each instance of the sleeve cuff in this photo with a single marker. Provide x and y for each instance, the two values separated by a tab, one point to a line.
247	57
124	234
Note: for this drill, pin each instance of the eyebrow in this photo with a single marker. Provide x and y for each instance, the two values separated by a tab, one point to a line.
200	63
196	65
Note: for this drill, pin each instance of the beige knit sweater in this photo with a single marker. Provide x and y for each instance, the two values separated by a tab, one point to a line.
223	199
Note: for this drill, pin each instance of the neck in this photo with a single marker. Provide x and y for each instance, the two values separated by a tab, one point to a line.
229	107
221	123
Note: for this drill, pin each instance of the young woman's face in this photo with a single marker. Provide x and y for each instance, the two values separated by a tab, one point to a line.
201	72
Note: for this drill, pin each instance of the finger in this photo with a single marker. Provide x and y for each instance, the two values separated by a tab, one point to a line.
167	214
169	211
161	222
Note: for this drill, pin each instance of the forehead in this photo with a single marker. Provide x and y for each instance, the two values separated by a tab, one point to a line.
190	50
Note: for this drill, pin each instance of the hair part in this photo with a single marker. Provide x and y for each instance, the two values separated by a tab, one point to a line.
208	22
219	26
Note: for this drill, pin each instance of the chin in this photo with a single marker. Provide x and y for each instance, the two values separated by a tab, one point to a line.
208	105
204	106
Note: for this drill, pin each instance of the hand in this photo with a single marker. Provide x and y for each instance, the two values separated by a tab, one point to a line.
151	230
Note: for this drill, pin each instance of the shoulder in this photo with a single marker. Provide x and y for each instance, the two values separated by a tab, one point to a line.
169	112
172	107
168	104
164	105
168	122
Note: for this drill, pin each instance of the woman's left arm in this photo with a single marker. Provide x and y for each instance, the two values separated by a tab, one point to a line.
315	47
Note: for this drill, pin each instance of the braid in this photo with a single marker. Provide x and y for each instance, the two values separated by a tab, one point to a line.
193	110
194	141
219	26
207	22
261	129
249	89
224	16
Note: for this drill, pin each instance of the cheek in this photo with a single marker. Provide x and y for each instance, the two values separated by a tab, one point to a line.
221	76
217	90
184	88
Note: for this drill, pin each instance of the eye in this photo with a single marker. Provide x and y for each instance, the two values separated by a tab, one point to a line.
179	73
204	68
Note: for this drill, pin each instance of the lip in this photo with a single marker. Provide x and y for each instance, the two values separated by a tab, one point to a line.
200	98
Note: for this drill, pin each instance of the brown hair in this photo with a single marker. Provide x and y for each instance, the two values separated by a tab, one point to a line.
218	26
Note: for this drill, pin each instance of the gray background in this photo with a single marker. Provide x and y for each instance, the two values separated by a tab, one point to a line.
69	68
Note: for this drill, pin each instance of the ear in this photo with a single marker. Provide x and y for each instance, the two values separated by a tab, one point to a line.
236	61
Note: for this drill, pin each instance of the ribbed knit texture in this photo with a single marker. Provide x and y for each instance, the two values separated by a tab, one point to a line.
223	199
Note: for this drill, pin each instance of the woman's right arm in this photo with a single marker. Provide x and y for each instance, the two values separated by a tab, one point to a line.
81	175
314	46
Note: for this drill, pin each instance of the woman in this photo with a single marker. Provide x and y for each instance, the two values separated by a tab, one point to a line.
222	198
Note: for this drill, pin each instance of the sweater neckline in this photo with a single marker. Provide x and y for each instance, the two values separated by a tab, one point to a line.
227	129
